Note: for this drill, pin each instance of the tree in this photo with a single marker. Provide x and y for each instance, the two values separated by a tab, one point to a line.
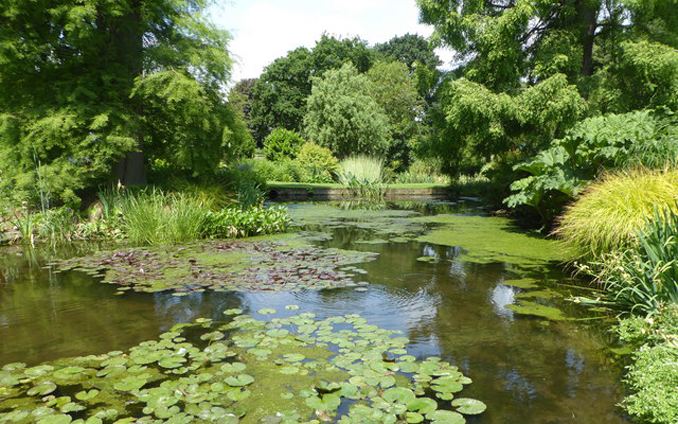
241	98
281	92
395	90
476	126
502	41
279	95
96	88
529	69
408	49
342	116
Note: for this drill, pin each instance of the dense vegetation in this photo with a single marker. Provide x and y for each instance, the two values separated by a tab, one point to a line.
564	110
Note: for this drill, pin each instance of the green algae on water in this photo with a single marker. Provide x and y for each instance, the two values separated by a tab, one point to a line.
290	370
490	239
537	310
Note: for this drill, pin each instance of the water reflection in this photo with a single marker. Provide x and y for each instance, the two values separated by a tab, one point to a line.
526	370
501	296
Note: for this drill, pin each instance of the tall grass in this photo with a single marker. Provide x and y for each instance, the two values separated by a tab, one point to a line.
643	279
361	168
609	214
154	217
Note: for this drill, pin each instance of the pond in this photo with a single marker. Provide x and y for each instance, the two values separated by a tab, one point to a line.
465	287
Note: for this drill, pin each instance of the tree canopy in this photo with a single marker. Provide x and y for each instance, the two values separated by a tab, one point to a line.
86	88
343	116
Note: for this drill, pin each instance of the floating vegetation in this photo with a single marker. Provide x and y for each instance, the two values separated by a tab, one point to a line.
538	310
490	239
288	370
523	283
222	266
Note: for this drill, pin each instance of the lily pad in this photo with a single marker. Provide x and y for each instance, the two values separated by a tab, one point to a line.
469	406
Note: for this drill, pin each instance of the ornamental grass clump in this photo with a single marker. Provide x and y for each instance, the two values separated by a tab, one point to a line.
362	168
154	217
364	175
610	212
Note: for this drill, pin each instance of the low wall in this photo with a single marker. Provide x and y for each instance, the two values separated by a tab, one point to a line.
322	194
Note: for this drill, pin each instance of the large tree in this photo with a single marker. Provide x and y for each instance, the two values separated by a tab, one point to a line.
92	88
281	92
409	49
395	90
343	116
503	41
529	69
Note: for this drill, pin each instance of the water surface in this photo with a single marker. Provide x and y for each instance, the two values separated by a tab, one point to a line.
526	369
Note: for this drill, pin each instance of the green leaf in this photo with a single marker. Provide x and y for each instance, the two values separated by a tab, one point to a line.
239	380
469	406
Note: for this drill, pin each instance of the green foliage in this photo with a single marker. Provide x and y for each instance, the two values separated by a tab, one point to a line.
250	194
342	116
422	171
280	94
395	90
282	144
234	222
156	218
611	141
475	124
653	374
318	163
644	278
361	168
644	75
609	213
409	49
500	43
86	87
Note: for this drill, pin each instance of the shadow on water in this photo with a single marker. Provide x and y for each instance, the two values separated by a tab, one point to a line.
526	369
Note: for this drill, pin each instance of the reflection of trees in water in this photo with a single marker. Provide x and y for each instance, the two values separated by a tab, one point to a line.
170	310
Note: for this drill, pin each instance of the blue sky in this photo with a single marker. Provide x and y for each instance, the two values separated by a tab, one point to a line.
264	30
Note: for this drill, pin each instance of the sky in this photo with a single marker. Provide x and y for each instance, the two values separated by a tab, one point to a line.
264	30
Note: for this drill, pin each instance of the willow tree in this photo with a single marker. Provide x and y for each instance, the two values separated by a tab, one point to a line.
99	88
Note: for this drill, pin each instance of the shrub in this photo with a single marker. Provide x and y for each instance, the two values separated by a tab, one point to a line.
653	375
282	144
562	171
422	172
609	214
318	163
232	222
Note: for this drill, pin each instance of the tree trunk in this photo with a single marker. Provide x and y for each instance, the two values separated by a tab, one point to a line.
589	23
127	36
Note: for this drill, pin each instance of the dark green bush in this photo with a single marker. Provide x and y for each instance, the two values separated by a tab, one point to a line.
282	144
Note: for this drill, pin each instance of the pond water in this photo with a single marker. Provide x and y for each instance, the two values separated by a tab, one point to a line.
449	299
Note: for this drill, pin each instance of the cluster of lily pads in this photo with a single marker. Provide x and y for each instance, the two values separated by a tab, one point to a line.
222	266
285	370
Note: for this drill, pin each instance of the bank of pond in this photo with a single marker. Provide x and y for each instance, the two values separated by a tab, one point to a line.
427	311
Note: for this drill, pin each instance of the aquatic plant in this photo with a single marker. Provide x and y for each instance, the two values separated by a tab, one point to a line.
610	213
233	222
286	370
154	217
221	266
